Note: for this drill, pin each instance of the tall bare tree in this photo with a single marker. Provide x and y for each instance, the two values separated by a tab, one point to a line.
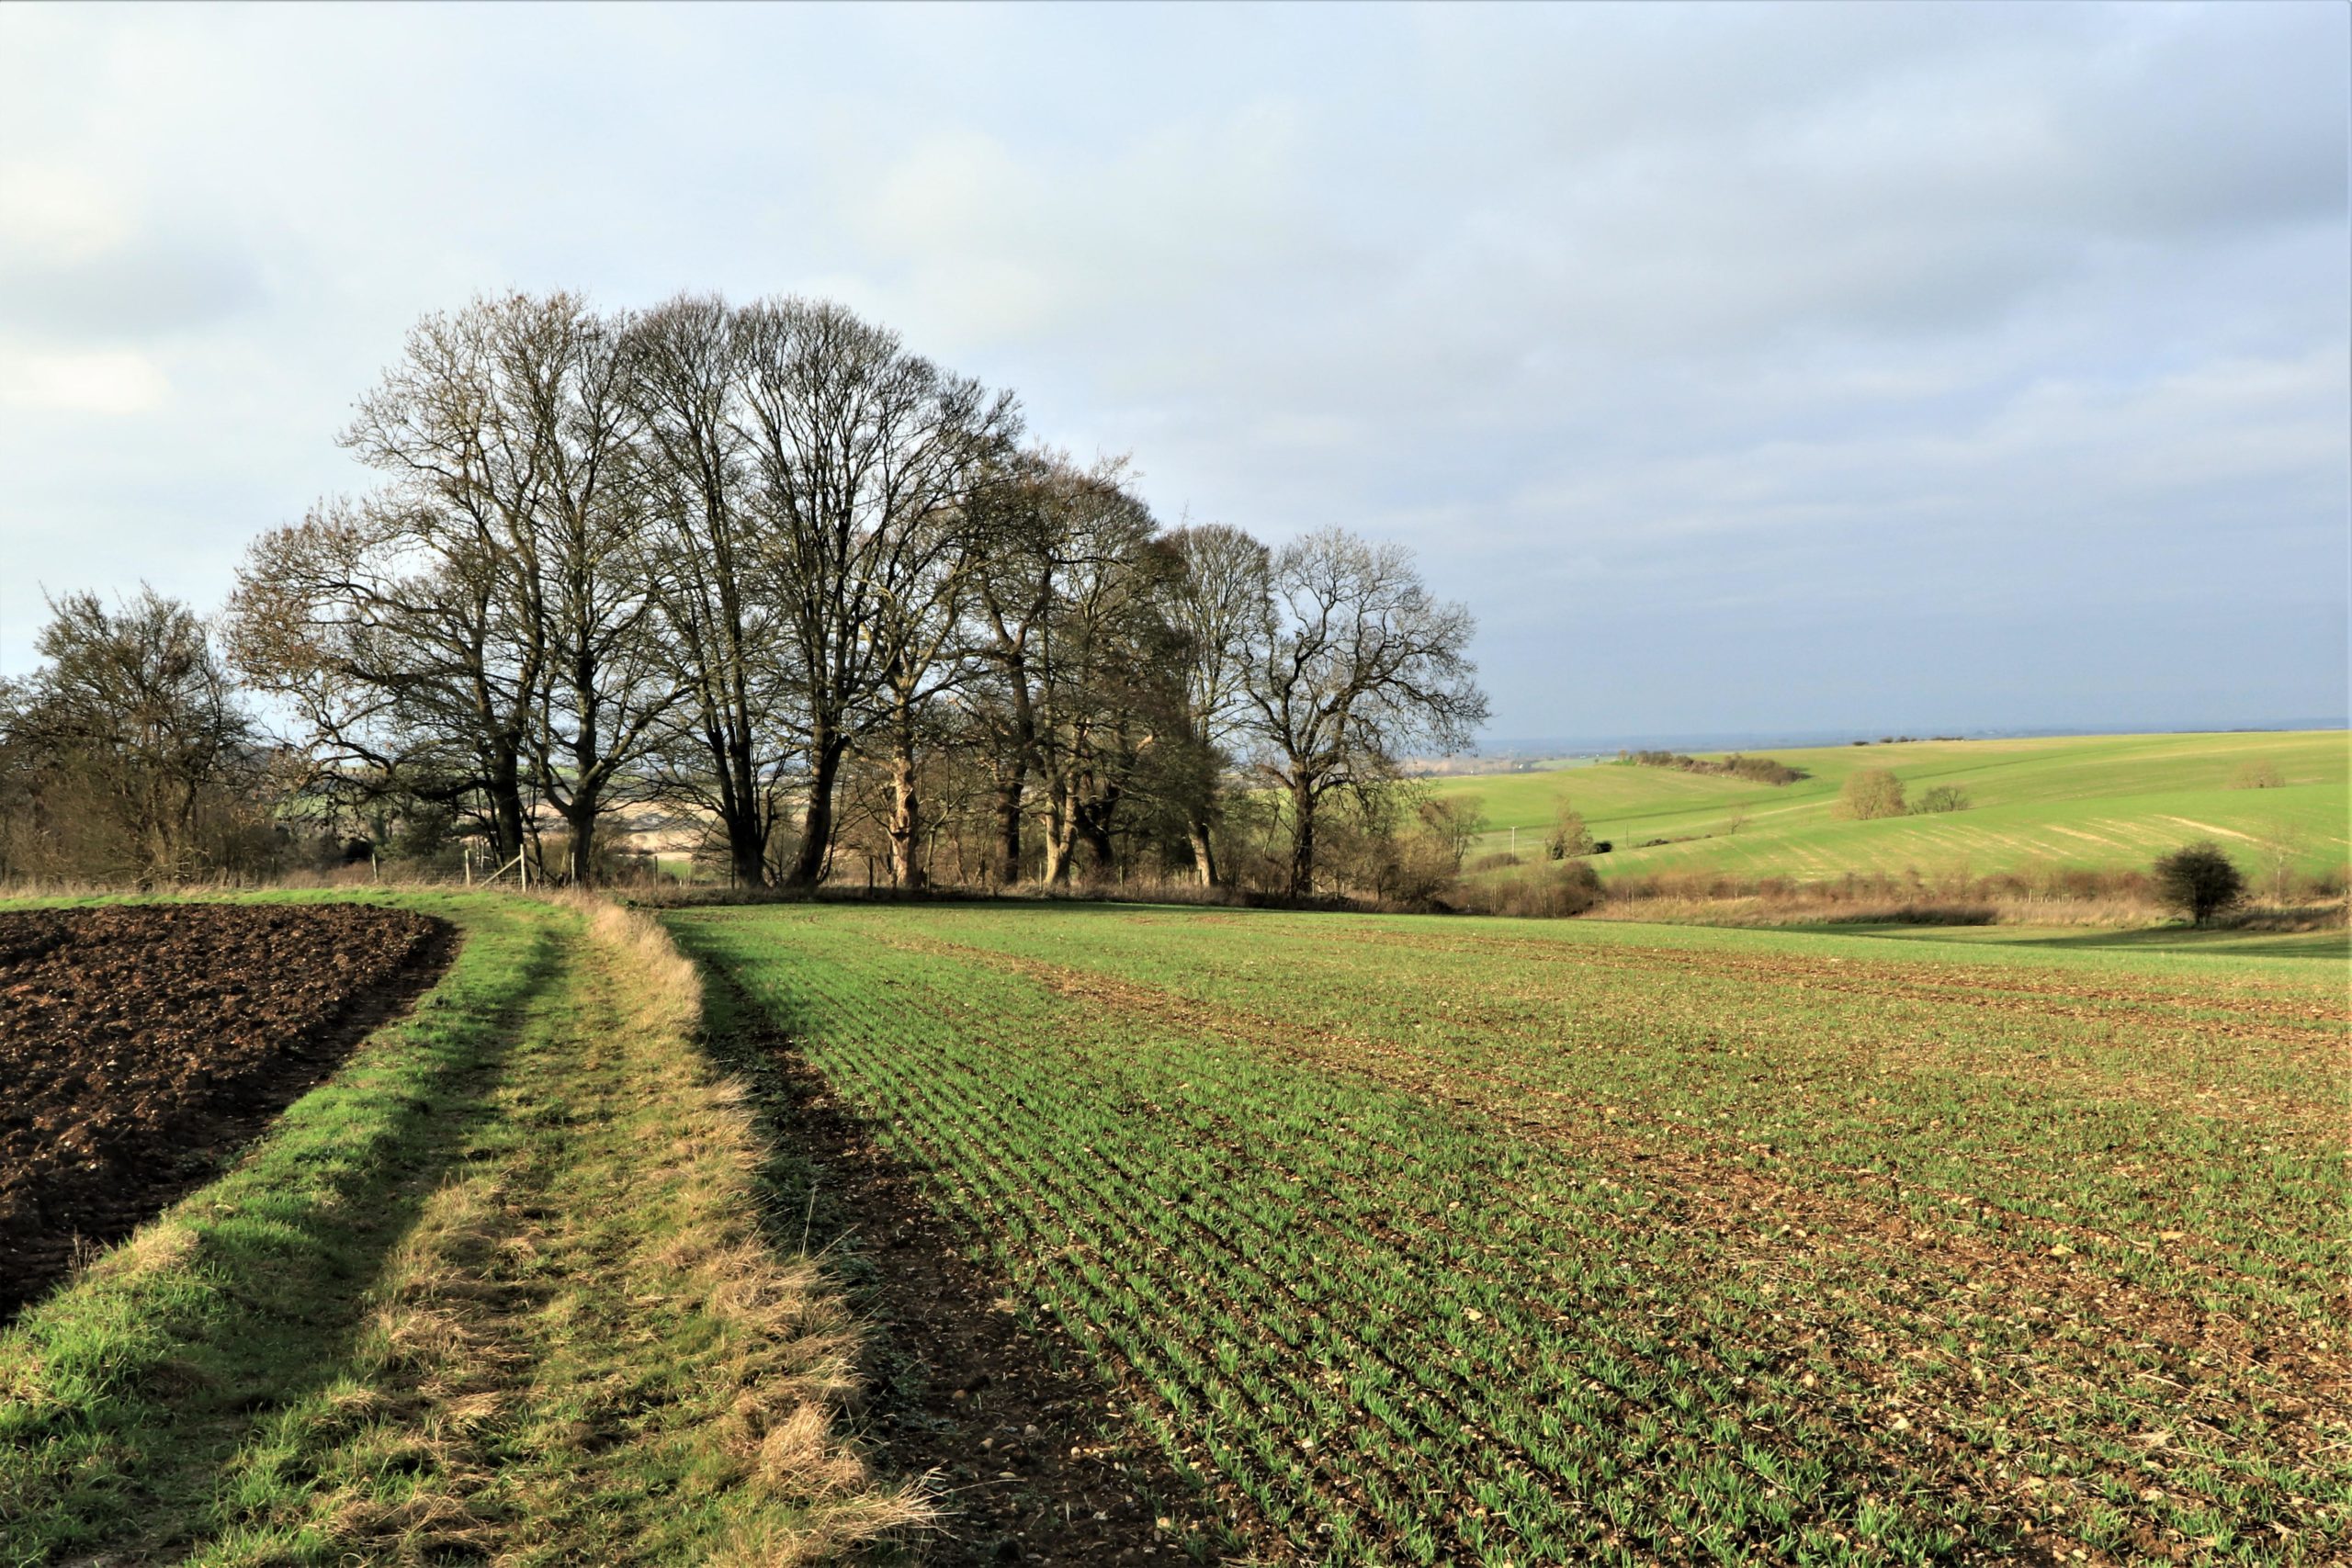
1066	604
1353	664
381	626
493	601
1217	598
588	581
733	751
858	451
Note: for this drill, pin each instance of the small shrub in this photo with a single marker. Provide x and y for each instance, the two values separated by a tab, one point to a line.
1942	799
1569	835
1869	794
2260	774
1496	861
2198	880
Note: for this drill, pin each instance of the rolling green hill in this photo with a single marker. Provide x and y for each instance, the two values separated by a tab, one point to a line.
2104	802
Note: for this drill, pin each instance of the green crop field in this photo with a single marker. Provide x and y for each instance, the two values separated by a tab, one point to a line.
2108	801
1418	1240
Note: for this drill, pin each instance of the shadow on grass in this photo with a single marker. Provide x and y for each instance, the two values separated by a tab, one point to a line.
985	1401
2220	943
125	1398
2216	943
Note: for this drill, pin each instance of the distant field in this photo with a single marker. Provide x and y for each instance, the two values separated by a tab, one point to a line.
1424	1240
2097	801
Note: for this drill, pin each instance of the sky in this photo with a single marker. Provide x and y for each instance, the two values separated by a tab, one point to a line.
1745	369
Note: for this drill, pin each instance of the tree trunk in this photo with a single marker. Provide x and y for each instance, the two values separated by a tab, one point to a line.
747	828
1203	852
747	852
817	824
581	861
505	791
1091	824
1060	827
906	815
1302	842
1010	784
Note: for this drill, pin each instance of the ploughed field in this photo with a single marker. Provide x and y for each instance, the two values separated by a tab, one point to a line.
1427	1240
141	1044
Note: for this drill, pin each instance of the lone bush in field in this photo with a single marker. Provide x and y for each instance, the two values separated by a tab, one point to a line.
2198	880
2260	774
1871	792
1569	836
1942	799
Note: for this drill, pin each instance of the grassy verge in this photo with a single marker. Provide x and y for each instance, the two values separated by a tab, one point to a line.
496	1291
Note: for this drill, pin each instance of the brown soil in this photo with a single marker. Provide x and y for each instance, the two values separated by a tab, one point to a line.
1019	1444
144	1044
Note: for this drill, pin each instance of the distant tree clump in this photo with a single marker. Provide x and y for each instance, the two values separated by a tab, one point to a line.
2260	774
761	577
1942	799
2198	880
1758	769
1569	836
1871	793
125	756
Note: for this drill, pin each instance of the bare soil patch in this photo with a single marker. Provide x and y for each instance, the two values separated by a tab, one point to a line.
143	1045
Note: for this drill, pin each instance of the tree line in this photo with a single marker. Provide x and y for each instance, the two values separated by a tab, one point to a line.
765	568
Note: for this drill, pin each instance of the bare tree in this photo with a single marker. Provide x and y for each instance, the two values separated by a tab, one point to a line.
733	753
588	582
381	627
1017	524
491	605
1217	598
857	449
1070	588
1353	664
133	722
920	632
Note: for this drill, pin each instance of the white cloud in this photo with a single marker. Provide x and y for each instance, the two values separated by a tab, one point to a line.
101	381
53	214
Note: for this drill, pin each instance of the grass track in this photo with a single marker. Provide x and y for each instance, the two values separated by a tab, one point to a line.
493	1292
1499	1241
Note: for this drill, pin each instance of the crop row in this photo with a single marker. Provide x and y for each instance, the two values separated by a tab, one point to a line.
1399	1299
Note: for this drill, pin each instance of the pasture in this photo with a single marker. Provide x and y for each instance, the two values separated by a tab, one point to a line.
1417	1240
2100	802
